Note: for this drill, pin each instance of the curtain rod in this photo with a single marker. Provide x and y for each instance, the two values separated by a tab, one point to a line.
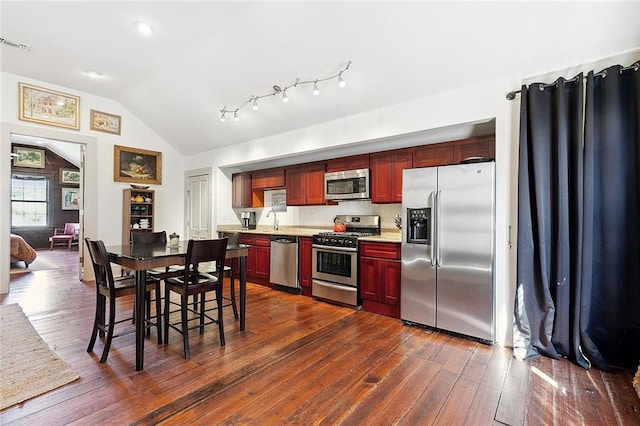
635	66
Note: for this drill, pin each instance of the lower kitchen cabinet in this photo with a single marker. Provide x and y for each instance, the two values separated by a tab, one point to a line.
304	264
258	260
380	278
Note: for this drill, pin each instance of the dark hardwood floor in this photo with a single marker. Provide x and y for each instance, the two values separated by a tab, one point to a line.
300	361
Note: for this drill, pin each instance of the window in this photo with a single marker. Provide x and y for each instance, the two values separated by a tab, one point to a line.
29	200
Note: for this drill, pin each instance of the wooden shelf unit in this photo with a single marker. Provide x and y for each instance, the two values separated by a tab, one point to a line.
133	211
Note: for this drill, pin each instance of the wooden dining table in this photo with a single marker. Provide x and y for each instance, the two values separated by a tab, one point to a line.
142	257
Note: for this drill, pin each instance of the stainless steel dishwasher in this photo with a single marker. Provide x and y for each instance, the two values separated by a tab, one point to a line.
284	263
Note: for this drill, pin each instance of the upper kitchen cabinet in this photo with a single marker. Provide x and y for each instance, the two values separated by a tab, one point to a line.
439	154
348	163
268	179
475	147
241	190
386	174
305	184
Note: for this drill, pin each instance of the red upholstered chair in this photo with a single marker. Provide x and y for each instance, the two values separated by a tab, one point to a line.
67	236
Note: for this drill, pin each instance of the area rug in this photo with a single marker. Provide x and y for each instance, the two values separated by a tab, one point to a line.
27	366
39	264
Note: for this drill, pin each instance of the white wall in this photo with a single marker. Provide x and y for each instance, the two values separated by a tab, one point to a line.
103	196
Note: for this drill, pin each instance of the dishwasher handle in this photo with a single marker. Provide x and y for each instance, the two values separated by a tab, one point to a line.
284	240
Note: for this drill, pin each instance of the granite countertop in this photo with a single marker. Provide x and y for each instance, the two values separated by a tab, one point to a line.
387	235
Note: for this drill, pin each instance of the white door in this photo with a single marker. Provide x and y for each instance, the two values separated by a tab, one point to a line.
198	207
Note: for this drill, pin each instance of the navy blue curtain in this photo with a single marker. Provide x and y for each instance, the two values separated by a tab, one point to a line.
578	282
611	271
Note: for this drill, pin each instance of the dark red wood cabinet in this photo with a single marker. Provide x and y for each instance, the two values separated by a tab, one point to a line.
353	162
474	147
259	258
380	269
241	190
268	179
305	264
440	154
386	174
305	184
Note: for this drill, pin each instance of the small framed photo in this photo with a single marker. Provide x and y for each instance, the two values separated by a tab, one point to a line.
50	107
70	176
70	198
28	157
135	165
105	122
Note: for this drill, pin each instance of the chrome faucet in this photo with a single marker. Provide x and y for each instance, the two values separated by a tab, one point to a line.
275	220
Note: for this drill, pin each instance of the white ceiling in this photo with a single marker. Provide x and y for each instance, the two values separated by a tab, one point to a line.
206	55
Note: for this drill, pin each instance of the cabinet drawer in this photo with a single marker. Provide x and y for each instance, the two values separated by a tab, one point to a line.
380	250
260	240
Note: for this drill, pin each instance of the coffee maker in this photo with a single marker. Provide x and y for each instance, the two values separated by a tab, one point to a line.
248	220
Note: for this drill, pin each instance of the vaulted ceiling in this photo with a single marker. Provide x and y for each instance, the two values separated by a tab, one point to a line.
202	56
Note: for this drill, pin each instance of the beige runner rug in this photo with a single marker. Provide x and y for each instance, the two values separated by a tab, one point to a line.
27	366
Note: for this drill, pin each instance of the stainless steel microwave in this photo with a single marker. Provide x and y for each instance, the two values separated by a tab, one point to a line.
348	185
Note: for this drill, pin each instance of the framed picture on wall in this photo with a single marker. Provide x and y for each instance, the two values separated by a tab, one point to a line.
50	107
70	176
134	165
70	198
104	122
28	157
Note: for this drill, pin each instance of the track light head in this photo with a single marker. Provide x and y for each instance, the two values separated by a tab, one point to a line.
316	91
285	98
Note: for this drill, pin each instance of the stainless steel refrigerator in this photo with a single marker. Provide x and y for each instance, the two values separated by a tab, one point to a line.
448	248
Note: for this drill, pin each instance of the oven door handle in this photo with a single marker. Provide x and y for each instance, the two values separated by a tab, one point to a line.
331	248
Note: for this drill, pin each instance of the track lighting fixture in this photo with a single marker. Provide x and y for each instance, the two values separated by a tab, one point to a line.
285	98
16	44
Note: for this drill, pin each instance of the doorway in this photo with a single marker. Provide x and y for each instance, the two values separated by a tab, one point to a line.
66	152
198	204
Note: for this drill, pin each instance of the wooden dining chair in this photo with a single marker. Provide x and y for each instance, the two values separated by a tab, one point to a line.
110	288
196	282
159	238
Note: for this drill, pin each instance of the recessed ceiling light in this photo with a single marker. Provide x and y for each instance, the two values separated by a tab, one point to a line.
94	74
144	28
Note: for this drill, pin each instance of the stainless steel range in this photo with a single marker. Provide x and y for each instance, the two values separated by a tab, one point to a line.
335	259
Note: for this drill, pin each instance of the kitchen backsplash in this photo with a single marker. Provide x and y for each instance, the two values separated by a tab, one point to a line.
321	215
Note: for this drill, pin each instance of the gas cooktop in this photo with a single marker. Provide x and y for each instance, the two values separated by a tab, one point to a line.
346	234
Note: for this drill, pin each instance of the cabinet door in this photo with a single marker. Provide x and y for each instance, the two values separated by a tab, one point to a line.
390	271
268	179
403	159
315	183
381	171
304	264
263	257
386	175
369	279
305	184
441	154
295	187
241	190
348	163
475	147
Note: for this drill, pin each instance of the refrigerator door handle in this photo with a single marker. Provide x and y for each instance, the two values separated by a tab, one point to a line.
438	216
432	231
